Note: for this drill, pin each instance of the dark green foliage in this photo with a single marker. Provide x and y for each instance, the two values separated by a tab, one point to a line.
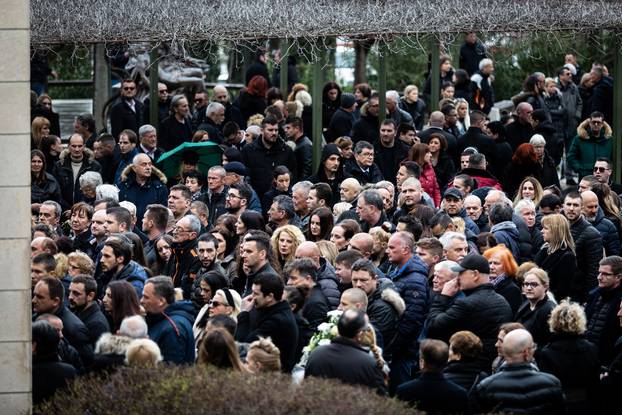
193	390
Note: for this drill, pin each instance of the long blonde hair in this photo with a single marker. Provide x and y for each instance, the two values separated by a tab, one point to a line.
296	235
561	238
537	190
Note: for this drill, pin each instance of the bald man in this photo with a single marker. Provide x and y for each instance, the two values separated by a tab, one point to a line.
143	185
353	298
326	276
537	392
521	130
596	216
349	189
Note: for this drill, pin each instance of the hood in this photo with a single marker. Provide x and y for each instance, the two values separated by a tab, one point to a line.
155	174
87	152
183	309
393	297
110	343
364	112
304	98
507	226
605	131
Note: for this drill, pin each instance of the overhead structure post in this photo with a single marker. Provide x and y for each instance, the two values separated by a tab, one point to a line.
283	67
382	81
153	86
318	79
617	109
101	85
435	73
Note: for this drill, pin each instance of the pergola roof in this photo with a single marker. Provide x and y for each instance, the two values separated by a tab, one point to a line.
83	22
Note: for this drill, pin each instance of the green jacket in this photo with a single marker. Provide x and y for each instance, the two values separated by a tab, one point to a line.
586	148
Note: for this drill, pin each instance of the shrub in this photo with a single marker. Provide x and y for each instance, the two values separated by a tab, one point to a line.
192	390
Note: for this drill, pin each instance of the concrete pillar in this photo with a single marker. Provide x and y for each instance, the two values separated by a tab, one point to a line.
15	311
382	81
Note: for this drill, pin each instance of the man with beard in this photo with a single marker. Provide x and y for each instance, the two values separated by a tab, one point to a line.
453	206
82	296
294	132
389	152
116	260
106	151
411	195
238	198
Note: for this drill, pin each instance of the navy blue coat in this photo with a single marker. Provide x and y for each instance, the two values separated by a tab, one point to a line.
172	331
433	393
411	282
609	232
152	192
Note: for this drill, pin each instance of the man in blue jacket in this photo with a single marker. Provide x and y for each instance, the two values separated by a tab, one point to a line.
142	184
411	281
169	321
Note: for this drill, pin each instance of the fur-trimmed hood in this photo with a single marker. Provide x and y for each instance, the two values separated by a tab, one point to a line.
110	343
582	130
304	98
87	151
393	297
155	173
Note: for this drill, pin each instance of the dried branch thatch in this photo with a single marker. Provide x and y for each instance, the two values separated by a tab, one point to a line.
305	22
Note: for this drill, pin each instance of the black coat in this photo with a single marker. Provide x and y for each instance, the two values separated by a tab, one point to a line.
515	173
417	111
588	245
465	373
49	375
213	131
261	161
346	361
480	310
574	361
215	203
315	308
452	141
561	266
352	169
123	118
95	322
536	321
388	159
603	325
47	190
471	55
445	170
434	393
276	322
172	133
518	133
519	388
383	315
366	128
250	105
474	137
340	125
509	289
76	334
548	171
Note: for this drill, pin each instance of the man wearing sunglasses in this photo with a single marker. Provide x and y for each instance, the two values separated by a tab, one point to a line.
127	113
603	171
593	140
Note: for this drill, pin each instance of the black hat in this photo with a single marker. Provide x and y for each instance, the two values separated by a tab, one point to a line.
236	167
347	100
473	262
453	192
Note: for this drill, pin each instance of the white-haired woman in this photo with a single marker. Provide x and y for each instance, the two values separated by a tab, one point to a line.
88	184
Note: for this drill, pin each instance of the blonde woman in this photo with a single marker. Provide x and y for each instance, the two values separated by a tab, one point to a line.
464	121
535	311
530	189
40	128
284	242
557	256
381	241
263	356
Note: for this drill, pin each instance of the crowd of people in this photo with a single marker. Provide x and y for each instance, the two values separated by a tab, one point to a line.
435	255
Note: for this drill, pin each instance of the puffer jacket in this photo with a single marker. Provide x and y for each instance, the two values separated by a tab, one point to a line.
589	250
430	184
586	148
481	310
609	232
411	282
135	274
153	191
384	308
507	233
525	244
519	388
464	372
70	187
47	190
329	283
261	161
603	325
172	331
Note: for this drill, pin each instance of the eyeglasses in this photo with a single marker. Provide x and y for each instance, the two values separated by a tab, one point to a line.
600	169
232	196
368	155
179	229
531	285
607	274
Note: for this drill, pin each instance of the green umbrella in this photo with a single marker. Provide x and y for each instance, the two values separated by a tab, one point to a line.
207	153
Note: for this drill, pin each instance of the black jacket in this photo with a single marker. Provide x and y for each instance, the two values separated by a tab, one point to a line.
518	133
215	203
250	105
445	170
315	308
588	245
417	111
172	133
434	394
329	283
183	265
388	159
48	375
471	55
475	137
70	189
465	373
304	158
346	361
511	292
340	125
536	321
213	131
123	118
76	334
384	308
261	161
603	325
95	322
574	361
366	128
373	175
561	266
480	310
519	388
276	322
47	190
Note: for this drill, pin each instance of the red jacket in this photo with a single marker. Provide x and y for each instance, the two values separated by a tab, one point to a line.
429	183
